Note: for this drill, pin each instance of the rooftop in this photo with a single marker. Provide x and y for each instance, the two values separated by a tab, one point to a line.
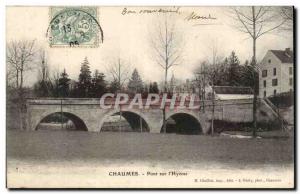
285	56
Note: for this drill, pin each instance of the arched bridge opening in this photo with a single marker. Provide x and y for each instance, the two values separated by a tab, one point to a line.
62	121
125	121
182	123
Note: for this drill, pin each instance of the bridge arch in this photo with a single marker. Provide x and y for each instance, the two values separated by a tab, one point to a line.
133	117
76	120
183	123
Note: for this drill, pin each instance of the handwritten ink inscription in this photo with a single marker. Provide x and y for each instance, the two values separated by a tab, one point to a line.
127	11
187	16
195	16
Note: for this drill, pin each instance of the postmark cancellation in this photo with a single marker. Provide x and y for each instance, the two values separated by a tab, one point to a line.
74	27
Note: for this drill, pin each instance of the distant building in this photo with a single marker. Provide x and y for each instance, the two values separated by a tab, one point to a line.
276	73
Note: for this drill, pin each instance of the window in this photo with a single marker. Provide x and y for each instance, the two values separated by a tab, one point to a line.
264	73
269	60
291	82
275	92
274	71
265	93
274	82
265	83
291	70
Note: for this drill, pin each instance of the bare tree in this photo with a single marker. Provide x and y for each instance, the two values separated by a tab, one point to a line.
11	76
212	74
55	82
13	62
43	67
119	71
166	44
256	22
201	81
287	14
43	87
20	59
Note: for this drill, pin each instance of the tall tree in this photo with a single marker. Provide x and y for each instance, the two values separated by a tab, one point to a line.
248	75
154	89
145	90
166	44
255	22
55	82
202	81
150	87
63	84
212	75
43	87
114	86
43	67
135	83
233	69
85	79
20	57
98	84
119	71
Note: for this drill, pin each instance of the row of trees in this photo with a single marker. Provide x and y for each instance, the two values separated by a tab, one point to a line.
88	85
228	72
225	72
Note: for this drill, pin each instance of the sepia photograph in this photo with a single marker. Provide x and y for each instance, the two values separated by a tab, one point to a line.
150	97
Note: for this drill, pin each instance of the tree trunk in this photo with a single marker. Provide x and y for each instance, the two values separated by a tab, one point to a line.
254	76
21	100
20	115
166	74
164	110
213	109
119	75
21	77
17	79
204	93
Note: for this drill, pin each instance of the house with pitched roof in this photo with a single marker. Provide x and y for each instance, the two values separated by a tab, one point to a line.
276	73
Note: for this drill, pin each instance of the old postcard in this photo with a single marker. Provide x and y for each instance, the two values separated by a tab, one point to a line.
150	97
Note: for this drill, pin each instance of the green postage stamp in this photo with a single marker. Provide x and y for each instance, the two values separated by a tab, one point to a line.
74	27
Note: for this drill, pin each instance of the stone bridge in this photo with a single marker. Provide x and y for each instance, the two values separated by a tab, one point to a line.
87	114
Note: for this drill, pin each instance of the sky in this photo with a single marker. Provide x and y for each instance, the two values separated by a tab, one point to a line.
127	36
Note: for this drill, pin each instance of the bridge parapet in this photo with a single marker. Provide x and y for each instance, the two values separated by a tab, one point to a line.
58	101
111	101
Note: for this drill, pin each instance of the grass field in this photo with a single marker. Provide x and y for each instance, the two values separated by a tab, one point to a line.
68	145
62	152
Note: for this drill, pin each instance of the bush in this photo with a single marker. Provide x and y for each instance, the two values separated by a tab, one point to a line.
283	99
